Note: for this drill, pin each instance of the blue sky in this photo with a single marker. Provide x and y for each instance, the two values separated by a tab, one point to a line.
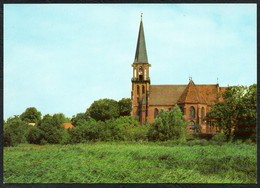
59	58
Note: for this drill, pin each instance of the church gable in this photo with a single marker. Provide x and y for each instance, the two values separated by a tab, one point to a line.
191	95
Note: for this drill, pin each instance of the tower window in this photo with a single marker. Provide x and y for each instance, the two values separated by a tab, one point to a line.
192	112
143	89
138	90
145	74
140	73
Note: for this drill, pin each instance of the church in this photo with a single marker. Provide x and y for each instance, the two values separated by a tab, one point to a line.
194	100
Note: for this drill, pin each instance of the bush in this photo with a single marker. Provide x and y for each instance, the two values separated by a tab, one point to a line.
168	125
219	138
15	132
35	135
201	142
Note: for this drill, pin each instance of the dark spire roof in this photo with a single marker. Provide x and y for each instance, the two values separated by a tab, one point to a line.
191	94
141	54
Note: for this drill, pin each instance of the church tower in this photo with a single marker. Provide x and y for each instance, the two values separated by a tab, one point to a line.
140	79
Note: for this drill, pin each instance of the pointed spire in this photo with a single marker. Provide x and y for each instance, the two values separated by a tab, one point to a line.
141	54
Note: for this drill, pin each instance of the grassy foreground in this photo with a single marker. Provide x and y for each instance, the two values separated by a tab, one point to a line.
130	163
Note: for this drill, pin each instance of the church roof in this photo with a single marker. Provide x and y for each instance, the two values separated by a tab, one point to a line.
141	54
191	95
165	94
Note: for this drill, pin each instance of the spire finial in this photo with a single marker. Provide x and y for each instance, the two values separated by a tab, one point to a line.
141	16
217	80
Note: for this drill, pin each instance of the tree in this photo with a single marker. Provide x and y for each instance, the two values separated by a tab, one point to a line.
31	115
52	128
125	107
169	125
238	107
103	109
79	118
35	135
15	131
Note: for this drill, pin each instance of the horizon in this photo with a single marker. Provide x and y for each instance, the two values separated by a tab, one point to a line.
62	58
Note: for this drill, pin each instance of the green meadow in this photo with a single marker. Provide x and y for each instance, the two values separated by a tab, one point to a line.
129	162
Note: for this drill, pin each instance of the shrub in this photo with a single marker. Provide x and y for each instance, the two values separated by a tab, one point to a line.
168	125
35	135
219	138
15	132
201	142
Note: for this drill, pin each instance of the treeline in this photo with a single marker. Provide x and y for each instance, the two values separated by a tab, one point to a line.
110	120
104	120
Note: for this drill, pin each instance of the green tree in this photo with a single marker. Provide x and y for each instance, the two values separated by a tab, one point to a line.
125	107
169	125
52	128
35	135
15	131
103	109
79	119
31	115
238	107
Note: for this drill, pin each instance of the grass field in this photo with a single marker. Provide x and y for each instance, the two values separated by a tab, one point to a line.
130	163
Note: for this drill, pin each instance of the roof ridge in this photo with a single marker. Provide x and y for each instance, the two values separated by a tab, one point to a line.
191	93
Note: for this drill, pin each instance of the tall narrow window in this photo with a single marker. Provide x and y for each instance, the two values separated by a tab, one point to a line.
192	125
140	72
156	112
138	90
192	112
202	112
135	73
143	89
145	74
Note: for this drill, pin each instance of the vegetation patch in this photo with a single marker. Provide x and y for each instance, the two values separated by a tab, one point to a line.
125	162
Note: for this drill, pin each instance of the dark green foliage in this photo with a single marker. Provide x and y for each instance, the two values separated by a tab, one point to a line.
168	125
87	131
15	131
125	107
79	119
103	109
237	111
52	128
31	115
35	135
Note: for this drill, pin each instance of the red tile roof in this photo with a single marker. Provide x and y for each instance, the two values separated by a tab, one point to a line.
165	94
67	125
191	93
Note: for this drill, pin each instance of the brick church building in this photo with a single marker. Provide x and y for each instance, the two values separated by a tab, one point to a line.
195	100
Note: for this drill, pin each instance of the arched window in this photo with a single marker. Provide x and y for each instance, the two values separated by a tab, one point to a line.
143	89
192	125
156	112
144	74
135	73
192	112
202	112
138	90
140	73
